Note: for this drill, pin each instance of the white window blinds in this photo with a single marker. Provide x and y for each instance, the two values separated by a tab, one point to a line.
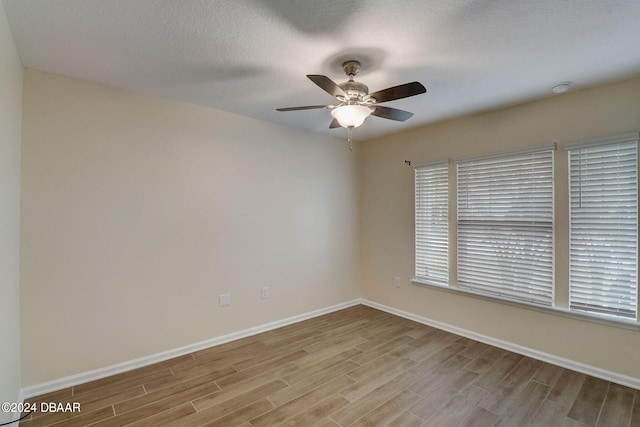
604	226
432	223
505	225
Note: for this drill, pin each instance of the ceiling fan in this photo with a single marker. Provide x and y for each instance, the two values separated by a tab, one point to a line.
356	103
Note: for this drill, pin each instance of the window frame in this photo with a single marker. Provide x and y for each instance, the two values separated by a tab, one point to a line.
438	210
587	257
522	227
560	306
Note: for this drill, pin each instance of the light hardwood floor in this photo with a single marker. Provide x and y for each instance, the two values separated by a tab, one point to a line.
354	367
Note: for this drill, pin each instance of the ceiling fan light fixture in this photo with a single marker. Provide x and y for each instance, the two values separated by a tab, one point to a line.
350	116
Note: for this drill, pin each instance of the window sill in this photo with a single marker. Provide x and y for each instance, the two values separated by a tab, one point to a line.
549	310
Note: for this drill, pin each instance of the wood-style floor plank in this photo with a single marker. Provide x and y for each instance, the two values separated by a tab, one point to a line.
587	405
617	407
503	396
480	417
635	412
458	406
237	403
377	397
300	404
548	414
389	411
354	367
567	387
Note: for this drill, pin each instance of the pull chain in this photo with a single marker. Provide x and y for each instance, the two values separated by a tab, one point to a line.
349	137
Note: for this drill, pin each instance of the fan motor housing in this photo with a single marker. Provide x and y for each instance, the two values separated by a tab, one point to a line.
355	90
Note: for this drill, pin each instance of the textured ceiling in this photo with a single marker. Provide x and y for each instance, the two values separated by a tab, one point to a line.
250	57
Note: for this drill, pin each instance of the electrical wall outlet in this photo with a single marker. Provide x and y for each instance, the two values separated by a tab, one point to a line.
225	299
265	292
396	282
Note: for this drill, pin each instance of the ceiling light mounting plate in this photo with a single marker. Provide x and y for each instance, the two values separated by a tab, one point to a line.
351	68
561	87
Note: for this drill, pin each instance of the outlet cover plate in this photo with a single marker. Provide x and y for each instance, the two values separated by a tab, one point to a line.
225	299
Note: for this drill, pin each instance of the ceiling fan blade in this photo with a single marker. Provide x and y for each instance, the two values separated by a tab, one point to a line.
391	113
334	124
327	85
398	92
305	107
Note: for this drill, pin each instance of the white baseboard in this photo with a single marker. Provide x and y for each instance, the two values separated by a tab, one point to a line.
17	415
525	351
96	374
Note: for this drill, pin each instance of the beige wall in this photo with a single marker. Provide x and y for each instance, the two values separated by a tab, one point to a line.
10	124
386	206
138	212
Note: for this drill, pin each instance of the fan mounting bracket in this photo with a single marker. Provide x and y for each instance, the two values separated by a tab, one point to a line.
351	68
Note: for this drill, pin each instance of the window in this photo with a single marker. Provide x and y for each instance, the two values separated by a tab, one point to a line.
604	226
504	245
505	225
432	223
